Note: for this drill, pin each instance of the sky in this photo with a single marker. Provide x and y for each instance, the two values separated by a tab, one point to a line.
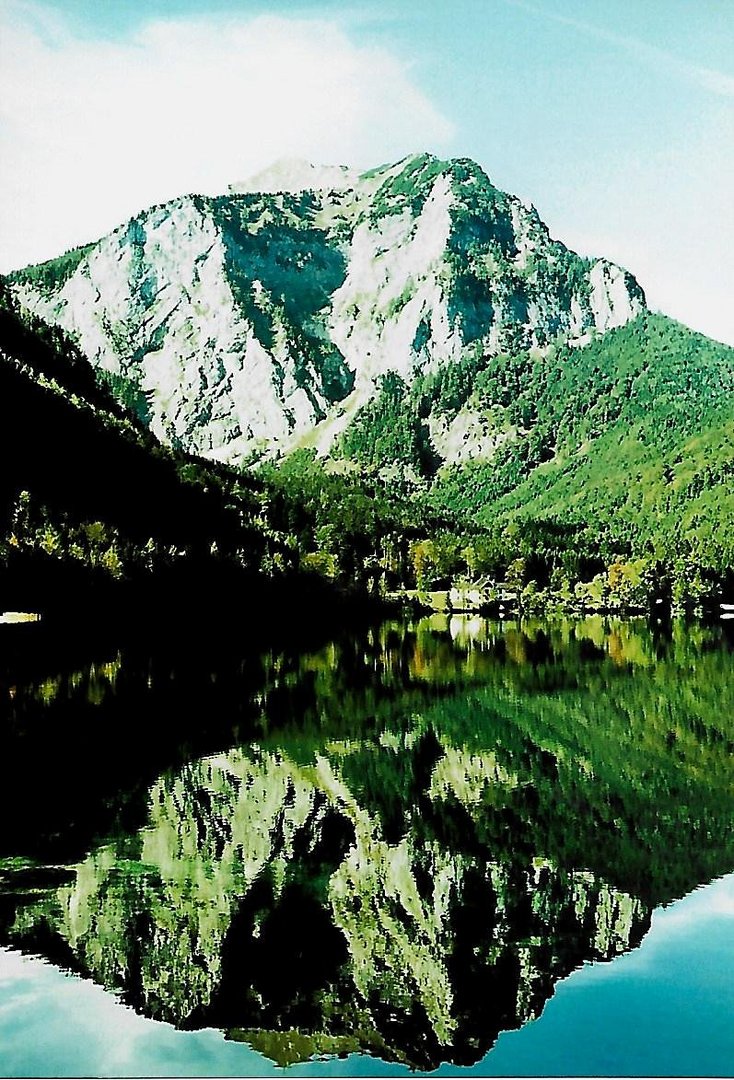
614	117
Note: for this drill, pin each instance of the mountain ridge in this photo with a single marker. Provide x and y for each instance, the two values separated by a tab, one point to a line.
260	322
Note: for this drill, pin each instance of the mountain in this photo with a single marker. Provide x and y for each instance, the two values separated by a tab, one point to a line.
433	388
264	320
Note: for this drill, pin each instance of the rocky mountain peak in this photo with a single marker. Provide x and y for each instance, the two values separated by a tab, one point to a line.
267	319
294	175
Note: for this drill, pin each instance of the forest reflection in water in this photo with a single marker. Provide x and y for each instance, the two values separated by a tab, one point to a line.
396	844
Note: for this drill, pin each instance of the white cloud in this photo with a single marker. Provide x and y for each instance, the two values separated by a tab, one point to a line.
91	131
706	902
672	225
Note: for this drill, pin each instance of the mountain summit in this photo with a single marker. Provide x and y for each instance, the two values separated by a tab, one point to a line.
259	321
294	175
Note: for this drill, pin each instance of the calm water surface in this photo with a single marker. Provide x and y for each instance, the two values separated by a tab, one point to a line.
463	846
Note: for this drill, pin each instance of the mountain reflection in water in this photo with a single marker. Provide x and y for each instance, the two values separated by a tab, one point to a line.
405	841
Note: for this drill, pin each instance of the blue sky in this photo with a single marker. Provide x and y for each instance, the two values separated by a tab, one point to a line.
615	118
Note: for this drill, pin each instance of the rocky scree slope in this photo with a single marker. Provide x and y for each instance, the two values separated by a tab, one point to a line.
259	321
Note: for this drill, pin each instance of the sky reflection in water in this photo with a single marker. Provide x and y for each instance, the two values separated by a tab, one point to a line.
664	1009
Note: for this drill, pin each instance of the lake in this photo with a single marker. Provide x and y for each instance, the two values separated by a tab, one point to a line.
448	844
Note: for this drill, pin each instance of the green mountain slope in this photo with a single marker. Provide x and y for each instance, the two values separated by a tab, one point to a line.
633	434
628	441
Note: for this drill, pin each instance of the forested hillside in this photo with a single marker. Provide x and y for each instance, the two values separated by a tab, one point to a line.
635	431
93	507
617	453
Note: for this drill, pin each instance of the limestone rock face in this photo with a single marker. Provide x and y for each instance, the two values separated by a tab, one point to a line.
259	321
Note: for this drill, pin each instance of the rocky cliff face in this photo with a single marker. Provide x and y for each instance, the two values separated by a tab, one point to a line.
263	320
